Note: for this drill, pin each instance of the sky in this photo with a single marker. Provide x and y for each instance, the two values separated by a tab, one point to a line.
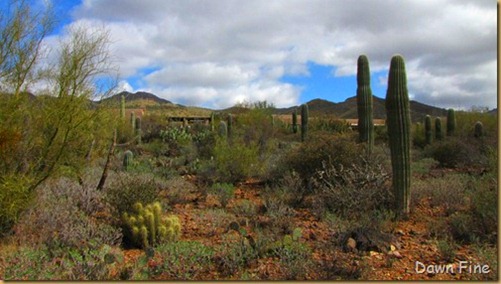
218	53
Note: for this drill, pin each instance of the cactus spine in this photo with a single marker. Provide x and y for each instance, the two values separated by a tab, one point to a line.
364	103
399	128
147	227
438	129
479	129
122	107
138	130
128	157
451	122
428	132
304	122
294	121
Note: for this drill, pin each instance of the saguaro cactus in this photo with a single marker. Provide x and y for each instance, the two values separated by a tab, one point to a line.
451	122
138	130
212	121
438	129
479	129
128	157
399	128
364	103
428	132
122	107
294	121
304	122
133	121
223	129
230	126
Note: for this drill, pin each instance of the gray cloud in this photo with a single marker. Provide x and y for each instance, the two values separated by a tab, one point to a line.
229	49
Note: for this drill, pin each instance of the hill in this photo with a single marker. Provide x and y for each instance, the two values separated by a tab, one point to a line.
348	109
138	99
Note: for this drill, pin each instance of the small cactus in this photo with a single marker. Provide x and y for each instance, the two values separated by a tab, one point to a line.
304	122
147	227
479	129
128	157
451	122
428	132
399	128
439	135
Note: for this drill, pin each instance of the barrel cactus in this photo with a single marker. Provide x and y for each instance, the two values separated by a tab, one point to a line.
451	122
128	157
146	226
439	135
479	129
428	132
399	128
364	103
304	122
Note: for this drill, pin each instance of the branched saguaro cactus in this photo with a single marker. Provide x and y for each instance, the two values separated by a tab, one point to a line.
428	132
479	129
399	128
294	121
364	103
451	122
439	135
304	122
147	227
128	158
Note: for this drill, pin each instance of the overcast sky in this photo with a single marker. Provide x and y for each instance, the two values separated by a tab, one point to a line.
220	52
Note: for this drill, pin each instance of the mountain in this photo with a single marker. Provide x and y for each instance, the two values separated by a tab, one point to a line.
348	109
143	97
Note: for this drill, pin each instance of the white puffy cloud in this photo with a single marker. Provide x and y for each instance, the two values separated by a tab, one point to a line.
214	53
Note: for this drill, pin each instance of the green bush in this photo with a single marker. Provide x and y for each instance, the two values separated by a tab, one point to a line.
14	198
235	162
294	256
451	152
223	191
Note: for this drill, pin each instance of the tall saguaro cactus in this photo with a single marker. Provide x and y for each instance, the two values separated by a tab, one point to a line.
438	129
451	122
428	132
364	103
399	129
294	121
122	107
138	130
304	122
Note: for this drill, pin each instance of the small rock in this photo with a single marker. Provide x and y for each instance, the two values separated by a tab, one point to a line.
395	254
400	232
351	244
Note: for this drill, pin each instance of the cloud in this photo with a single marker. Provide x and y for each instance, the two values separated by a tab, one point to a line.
205	50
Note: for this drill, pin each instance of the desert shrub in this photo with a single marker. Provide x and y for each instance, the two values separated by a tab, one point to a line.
237	251
66	214
204	140
352	191
15	197
487	254
277	210
484	207
97	262
294	256
235	161
455	152
124	190
182	260
177	190
309	157
447	249
328	124
448	192
216	219
423	166
245	208
223	191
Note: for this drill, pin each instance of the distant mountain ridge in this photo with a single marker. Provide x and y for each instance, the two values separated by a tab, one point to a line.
317	107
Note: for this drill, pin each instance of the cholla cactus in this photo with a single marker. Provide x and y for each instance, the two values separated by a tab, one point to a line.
146	226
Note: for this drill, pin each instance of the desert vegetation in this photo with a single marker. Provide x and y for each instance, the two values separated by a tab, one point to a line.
89	193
